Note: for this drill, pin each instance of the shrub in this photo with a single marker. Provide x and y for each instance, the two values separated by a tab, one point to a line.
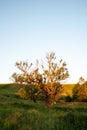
68	98
29	92
22	93
80	92
51	92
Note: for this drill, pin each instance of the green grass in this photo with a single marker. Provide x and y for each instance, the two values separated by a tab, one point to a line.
19	114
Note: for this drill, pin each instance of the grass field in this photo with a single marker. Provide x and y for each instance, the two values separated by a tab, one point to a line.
19	114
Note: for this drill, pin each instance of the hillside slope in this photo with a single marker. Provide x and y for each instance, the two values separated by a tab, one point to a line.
19	114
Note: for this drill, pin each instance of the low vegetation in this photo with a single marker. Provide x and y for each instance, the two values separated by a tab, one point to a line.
80	91
21	114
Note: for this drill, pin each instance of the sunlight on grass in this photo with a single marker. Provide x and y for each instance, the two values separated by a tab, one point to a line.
19	114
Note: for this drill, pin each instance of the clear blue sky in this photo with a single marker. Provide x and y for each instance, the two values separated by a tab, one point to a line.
30	28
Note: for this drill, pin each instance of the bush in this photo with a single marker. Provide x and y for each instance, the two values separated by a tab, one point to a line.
67	98
51	92
29	92
22	93
80	92
48	93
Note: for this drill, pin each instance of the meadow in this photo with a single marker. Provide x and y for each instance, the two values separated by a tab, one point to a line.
20	114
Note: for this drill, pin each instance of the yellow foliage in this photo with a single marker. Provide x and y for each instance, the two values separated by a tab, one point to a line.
22	93
52	91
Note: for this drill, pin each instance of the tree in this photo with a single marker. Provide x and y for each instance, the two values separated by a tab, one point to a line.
47	77
80	90
28	74
81	80
53	74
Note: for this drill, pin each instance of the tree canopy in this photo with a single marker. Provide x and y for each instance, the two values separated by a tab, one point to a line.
46	76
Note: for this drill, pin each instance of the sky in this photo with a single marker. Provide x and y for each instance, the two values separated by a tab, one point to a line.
31	28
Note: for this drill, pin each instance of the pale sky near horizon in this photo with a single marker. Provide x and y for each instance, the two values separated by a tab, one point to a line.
31	28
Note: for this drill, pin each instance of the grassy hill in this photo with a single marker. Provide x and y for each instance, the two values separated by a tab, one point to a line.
67	89
19	114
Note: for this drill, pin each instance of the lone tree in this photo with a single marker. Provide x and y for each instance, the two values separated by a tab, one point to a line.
54	73
47	77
